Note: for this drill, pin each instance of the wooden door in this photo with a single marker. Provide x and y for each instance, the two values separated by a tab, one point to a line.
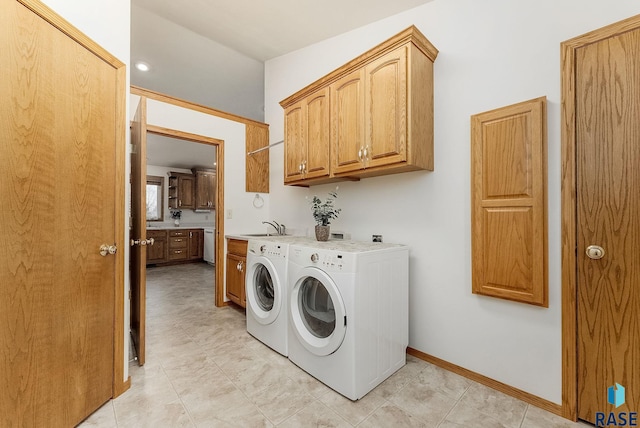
386	109
347	122
317	134
138	254
61	136
608	214
294	138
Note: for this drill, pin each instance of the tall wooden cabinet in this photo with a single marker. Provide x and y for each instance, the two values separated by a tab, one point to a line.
380	115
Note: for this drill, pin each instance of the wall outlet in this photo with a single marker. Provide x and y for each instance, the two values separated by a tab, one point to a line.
376	238
229	213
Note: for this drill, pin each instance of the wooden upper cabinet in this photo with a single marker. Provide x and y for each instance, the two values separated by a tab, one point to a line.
347	122
380	116
181	190
508	195
205	189
307	138
316	162
293	136
386	112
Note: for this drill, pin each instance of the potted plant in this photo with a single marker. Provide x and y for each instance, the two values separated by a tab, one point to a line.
175	215
323	213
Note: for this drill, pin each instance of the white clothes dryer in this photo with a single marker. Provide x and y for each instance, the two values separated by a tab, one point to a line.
348	312
266	292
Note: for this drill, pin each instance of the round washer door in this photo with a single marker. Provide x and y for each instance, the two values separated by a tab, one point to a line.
317	312
264	290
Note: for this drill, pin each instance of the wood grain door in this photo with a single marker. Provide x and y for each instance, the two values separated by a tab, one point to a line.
138	254
295	139
386	109
60	124
316	125
608	215
347	123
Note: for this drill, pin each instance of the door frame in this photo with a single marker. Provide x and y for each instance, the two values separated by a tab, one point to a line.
219	203
569	221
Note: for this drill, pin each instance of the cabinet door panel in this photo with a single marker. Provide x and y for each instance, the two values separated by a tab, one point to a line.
347	120
157	253
386	113
317	128
235	278
294	137
186	192
195	244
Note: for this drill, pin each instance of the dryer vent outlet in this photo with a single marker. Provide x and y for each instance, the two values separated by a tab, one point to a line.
376	238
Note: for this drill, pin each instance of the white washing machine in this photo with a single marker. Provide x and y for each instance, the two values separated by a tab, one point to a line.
266	292
348	312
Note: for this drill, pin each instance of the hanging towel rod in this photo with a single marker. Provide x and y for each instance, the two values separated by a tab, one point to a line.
264	148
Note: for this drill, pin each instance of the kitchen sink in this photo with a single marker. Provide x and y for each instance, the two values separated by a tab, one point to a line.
259	234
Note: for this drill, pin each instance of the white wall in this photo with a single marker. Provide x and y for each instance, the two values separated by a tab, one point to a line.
492	53
108	24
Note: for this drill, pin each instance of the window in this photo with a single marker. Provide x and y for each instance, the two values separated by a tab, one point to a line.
155	198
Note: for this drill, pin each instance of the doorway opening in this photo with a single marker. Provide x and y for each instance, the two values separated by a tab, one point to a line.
193	168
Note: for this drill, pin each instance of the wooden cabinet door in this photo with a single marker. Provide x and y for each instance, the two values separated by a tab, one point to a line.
211	187
195	244
186	192
294	142
386	109
159	251
347	122
205	187
235	278
317	128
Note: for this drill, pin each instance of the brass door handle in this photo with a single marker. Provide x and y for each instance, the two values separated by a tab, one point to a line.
107	249
595	252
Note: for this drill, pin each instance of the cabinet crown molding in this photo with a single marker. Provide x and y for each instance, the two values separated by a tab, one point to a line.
409	35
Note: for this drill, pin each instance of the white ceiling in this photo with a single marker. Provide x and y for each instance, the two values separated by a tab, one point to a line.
175	153
264	29
220	46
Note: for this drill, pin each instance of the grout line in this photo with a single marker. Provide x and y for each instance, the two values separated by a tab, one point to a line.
454	406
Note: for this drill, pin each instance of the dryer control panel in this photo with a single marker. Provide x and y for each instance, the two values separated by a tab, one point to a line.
327	260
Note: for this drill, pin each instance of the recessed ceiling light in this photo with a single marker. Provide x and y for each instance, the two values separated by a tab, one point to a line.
142	66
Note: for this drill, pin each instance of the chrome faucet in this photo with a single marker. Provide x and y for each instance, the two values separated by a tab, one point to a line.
280	228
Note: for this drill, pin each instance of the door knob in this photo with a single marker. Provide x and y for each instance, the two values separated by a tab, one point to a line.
107	249
595	252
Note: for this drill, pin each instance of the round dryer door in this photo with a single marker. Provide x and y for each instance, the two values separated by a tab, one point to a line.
264	290
317	312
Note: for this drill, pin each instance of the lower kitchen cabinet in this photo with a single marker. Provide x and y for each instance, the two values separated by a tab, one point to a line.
178	245
173	246
159	251
236	268
196	244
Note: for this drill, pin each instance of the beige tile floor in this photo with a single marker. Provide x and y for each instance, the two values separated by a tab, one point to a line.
204	370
